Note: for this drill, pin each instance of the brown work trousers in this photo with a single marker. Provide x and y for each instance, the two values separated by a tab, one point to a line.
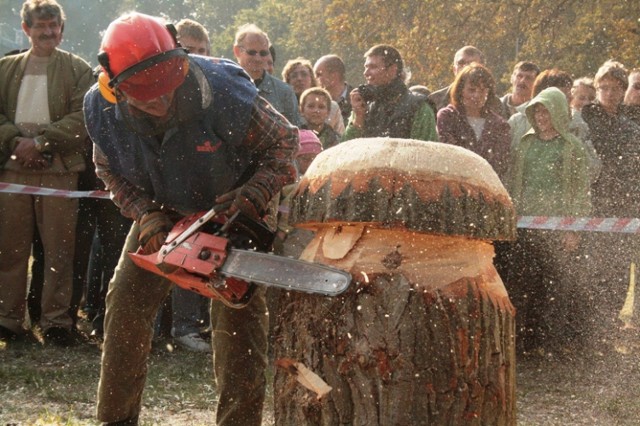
239	347
55	218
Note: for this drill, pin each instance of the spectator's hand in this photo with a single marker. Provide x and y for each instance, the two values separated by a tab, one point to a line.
28	156
154	228
232	201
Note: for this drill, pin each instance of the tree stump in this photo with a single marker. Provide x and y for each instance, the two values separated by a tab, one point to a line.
425	334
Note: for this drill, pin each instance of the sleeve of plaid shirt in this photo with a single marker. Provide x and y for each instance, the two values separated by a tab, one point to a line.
273	142
271	139
132	203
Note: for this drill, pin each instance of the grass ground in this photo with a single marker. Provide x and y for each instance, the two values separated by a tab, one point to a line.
53	386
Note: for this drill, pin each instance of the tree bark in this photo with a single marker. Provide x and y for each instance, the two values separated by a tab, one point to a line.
425	334
413	185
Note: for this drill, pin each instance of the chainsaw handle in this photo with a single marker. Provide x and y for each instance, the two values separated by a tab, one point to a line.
193	227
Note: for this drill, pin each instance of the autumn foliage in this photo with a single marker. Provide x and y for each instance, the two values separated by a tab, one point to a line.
576	36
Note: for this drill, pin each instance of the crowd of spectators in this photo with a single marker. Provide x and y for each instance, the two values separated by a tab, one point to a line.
561	146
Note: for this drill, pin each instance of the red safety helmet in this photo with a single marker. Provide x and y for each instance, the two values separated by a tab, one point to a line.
141	57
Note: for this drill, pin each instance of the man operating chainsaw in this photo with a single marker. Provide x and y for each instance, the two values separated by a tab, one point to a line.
176	134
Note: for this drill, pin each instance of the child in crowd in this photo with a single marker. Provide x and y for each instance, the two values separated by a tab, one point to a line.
520	125
299	74
583	92
315	104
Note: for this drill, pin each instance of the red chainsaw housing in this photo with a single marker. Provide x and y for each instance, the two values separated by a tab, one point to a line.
193	264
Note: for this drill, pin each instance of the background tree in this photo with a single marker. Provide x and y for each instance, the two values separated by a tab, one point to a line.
577	36
571	39
273	17
573	35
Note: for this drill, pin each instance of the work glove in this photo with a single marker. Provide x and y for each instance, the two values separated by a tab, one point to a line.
235	200
154	228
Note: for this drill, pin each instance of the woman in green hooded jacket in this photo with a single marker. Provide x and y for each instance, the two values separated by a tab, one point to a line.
550	165
549	177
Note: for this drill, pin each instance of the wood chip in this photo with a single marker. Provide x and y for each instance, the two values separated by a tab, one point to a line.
304	376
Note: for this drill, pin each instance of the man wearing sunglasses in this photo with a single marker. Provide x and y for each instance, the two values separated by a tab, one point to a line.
251	49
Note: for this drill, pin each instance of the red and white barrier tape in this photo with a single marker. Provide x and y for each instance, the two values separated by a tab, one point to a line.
14	188
592	224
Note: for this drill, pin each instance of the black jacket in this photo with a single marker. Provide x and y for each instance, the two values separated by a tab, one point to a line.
391	112
616	139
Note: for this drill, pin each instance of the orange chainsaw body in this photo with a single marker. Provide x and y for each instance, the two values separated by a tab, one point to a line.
193	264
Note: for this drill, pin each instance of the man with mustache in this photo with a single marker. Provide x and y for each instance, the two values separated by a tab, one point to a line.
522	78
42	137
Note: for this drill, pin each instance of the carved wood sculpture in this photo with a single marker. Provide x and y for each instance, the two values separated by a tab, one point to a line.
425	335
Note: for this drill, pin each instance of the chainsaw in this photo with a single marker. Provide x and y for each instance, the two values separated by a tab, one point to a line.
225	259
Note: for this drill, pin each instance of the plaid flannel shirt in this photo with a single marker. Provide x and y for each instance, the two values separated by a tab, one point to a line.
270	137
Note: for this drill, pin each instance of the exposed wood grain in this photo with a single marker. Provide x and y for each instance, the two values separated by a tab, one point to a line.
425	334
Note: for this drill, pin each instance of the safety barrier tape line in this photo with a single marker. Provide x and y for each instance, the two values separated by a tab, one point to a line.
14	188
593	224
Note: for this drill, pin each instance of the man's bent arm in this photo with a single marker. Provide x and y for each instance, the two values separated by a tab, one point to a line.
273	142
133	203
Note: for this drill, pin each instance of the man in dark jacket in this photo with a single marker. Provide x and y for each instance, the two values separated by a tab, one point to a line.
616	191
178	134
385	107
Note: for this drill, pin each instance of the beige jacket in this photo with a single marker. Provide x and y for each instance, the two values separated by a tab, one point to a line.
68	78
